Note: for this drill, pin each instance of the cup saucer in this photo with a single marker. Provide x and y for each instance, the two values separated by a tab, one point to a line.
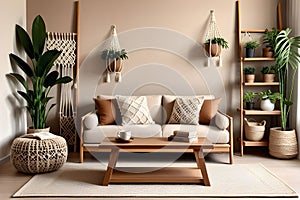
121	140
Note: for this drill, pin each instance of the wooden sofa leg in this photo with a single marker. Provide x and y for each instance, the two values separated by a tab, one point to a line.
81	154
231	155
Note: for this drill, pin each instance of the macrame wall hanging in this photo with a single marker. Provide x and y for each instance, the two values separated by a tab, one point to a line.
113	56
213	42
66	62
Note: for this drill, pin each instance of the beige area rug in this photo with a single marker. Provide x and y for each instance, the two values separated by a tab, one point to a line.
83	180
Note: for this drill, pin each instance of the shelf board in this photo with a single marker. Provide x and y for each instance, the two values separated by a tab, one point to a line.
261	112
258	59
253	31
262	143
261	84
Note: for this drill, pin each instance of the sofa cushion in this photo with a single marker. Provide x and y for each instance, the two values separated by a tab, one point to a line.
154	105
186	110
209	110
214	134
91	121
96	135
134	110
168	103
106	111
221	121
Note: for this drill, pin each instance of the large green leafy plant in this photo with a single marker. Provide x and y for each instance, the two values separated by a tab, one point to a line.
39	78
287	61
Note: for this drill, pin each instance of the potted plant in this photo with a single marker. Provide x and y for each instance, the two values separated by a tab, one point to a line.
114	59
269	40
250	48
249	98
40	77
268	100
287	60
215	45
249	74
268	73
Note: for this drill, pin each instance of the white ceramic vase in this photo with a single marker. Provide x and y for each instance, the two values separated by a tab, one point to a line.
266	105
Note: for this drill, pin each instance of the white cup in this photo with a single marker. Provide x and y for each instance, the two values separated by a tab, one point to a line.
125	135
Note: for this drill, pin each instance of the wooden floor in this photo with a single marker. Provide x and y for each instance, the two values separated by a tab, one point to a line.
287	170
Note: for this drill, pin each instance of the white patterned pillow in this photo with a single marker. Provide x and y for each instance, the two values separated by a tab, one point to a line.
186	110
134	110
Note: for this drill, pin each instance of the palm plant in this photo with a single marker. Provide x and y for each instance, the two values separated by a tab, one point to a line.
40	79
287	61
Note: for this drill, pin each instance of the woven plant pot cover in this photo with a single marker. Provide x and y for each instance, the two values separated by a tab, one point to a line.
38	156
283	144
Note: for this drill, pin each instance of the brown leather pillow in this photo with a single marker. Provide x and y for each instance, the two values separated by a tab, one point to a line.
105	110
209	110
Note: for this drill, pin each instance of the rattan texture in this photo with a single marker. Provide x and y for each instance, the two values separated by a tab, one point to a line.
30	155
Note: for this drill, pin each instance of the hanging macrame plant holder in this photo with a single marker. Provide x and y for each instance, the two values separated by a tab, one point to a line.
213	50
112	48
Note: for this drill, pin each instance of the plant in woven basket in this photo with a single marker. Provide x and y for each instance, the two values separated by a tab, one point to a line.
287	60
283	141
39	77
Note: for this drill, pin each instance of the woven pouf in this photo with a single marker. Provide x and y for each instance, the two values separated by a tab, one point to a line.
30	155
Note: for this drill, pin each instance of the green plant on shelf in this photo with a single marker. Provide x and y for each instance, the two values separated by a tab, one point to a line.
249	70
268	70
269	95
249	96
253	44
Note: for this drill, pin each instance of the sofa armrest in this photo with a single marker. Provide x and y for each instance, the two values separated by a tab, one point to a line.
230	130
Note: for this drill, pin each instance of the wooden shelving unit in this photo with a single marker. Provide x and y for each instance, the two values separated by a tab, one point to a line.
256	84
246	86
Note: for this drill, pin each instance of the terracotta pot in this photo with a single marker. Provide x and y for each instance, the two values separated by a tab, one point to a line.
283	144
267	52
269	77
215	49
31	130
249	78
114	65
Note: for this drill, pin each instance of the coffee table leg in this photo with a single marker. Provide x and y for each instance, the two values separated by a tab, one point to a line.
201	165
111	164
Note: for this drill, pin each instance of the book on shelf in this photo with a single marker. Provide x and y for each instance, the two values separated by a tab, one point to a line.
185	134
40	135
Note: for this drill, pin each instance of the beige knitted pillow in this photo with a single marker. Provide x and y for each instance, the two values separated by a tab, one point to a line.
186	110
134	110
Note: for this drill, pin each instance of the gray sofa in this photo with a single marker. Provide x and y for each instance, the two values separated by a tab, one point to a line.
219	131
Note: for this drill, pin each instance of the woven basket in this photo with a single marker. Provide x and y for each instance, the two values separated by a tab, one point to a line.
254	130
283	144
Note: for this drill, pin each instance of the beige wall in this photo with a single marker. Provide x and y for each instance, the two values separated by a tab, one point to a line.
12	120
163	38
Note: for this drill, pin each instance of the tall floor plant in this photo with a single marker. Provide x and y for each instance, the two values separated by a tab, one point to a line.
287	62
39	77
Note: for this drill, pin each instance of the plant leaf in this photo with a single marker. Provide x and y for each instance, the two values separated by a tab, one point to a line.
65	79
22	64
38	36
20	79
25	41
46	61
50	79
27	98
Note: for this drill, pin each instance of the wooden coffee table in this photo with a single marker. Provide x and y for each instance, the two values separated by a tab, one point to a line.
165	175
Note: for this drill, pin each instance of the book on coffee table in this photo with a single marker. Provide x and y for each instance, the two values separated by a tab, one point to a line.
188	134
